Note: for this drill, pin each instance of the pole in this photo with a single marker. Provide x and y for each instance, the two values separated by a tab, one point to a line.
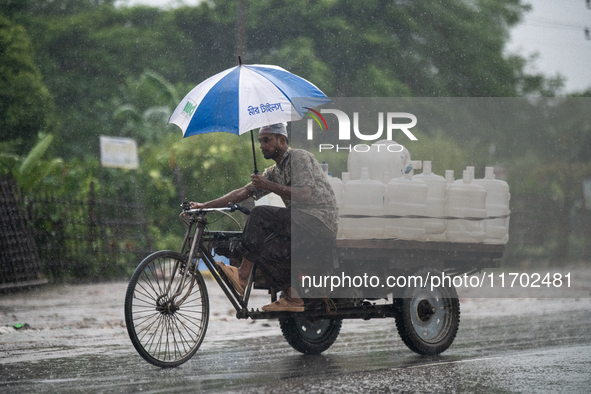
241	28
253	153
91	220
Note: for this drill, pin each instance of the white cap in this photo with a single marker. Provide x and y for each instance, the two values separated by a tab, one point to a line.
277	128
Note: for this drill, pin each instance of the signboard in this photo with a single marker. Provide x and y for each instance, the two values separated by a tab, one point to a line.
587	193
119	152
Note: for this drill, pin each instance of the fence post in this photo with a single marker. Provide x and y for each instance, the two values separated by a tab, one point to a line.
91	218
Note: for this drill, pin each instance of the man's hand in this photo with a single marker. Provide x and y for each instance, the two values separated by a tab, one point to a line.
196	205
299	193
235	196
260	182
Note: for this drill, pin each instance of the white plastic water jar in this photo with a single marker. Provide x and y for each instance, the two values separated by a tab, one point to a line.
337	187
383	155
470	169
449	178
436	199
363	197
358	160
466	200
345	177
497	204
405	196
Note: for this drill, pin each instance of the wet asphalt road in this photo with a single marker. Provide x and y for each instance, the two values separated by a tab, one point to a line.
78	343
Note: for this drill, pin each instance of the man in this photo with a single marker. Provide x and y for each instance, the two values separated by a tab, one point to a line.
310	217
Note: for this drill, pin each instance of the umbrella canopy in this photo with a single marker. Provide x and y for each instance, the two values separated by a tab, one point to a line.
245	97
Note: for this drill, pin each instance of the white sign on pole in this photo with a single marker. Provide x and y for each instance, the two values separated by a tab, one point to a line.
587	192
119	152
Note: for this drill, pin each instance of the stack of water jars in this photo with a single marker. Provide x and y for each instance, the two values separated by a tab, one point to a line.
385	200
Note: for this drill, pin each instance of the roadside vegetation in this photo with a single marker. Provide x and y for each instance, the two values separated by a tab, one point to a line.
73	70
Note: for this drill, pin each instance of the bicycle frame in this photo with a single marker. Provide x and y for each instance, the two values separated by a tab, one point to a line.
193	243
196	221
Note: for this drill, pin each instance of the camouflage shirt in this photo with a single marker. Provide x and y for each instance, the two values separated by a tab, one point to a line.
299	168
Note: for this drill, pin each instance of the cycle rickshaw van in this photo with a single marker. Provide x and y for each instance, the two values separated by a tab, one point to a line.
167	306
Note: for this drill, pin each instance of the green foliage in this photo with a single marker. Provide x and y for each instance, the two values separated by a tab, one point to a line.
121	72
87	58
420	48
33	172
149	102
371	48
34	169
211	165
48	7
25	103
298	56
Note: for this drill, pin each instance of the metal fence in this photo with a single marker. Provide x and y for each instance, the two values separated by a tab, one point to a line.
19	261
89	238
63	237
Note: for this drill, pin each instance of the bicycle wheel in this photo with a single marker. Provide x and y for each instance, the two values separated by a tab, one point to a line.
429	318
165	333
310	336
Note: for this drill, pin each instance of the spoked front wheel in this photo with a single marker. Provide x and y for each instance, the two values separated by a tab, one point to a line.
164	331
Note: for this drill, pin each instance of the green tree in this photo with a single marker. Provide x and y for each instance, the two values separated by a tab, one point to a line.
86	59
149	101
25	103
379	47
23	8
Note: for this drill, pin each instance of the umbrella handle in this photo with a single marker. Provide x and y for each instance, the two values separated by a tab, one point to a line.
253	153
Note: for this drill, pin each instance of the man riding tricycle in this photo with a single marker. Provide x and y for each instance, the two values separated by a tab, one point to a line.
167	307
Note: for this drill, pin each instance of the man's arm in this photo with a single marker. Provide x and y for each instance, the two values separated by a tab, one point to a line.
234	196
293	193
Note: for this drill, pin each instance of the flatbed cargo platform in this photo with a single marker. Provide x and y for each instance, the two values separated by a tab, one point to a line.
461	257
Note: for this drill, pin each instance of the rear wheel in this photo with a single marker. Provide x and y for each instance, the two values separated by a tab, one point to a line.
429	319
310	336
163	332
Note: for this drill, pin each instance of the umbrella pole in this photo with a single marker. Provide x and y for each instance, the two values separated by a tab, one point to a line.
254	157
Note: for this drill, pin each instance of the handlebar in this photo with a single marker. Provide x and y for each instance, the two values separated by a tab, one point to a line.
230	208
234	207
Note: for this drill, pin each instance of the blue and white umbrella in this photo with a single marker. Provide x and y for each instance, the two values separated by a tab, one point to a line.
244	98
